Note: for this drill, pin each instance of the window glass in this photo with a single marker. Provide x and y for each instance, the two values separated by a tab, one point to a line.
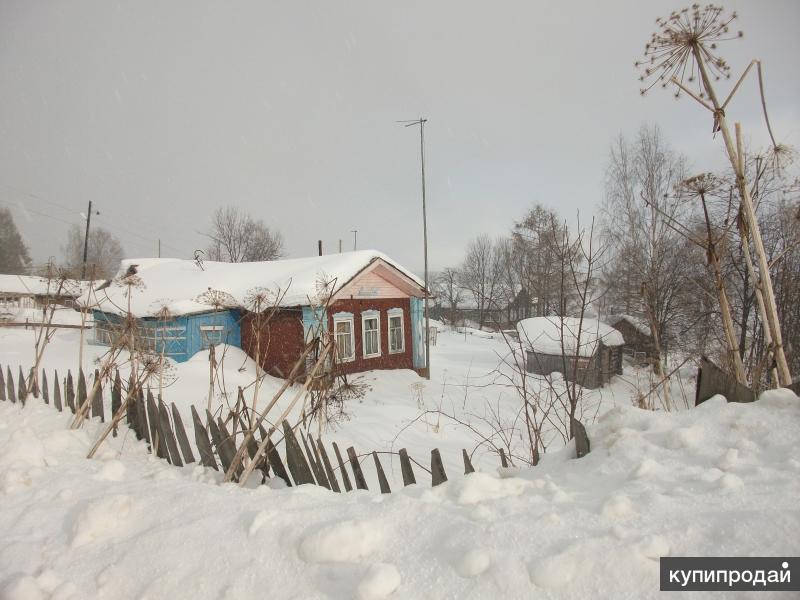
371	338
344	339
396	338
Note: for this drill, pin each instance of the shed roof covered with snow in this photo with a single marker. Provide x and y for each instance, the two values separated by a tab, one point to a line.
27	285
544	335
185	286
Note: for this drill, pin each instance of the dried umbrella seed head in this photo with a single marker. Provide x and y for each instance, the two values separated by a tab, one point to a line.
670	51
705	184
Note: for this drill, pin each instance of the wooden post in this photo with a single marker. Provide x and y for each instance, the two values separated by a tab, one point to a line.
116	398
165	429
57	394
326	463
2	386
22	393
156	442
358	474
468	468
81	389
438	476
69	391
98	410
319	475
298	465
582	445
503	459
45	388
203	445
382	481
227	444
405	467
10	393
348	487
180	432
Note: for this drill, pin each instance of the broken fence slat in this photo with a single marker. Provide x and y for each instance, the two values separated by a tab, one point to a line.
274	458
468	468
313	461
69	391
57	393
227	447
405	467
503	459
438	476
168	434
203	445
180	433
98	410
348	487
358	474
326	463
3	396
157	443
45	388
298	466
31	377
10	392
382	481
142	431
22	392
81	398
582	445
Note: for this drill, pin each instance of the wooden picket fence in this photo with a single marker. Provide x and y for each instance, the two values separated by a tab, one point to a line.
303	459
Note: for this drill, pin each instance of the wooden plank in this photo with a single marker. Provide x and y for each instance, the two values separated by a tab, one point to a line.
348	487
69	391
203	445
57	393
156	441
216	441
98	410
298	466
582	445
326	463
711	380
116	399
227	446
382	481
274	458
142	432
503	459
319	474
45	388
358	474
180	433
22	391
252	449
11	394
35	389
438	476
468	468
168	434
405	467
81	398
2	386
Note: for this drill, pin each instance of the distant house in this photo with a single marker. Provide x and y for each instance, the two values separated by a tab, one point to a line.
20	294
638	340
587	352
375	312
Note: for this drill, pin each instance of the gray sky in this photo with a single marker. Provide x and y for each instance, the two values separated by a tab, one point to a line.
160	111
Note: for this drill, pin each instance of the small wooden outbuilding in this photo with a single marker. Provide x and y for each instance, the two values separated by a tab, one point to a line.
586	351
638	340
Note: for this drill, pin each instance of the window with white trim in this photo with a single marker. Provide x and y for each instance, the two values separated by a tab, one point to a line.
345	346
397	338
371	333
211	335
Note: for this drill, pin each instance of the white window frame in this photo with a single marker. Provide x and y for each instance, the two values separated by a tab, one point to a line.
345	319
391	314
367	315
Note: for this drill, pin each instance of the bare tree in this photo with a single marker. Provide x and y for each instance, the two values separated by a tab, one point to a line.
535	257
14	257
481	276
448	290
235	236
103	256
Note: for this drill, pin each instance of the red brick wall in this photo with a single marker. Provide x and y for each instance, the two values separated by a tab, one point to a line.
401	360
281	340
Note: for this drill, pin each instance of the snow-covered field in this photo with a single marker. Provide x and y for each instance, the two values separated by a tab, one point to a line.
719	480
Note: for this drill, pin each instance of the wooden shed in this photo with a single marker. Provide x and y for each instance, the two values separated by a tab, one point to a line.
586	351
638	340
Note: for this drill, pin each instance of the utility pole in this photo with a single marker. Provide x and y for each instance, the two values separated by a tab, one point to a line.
355	238
421	122
159	247
86	240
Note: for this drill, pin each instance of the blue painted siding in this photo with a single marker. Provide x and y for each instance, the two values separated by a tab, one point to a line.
312	319
180	338
418	332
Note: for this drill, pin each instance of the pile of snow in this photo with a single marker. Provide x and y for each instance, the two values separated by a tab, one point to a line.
719	480
544	335
179	285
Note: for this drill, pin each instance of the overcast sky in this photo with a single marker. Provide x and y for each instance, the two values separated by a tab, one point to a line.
160	111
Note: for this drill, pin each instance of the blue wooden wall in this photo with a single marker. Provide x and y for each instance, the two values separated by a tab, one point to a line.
181	337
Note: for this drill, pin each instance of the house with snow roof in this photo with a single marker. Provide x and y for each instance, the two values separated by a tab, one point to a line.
586	351
20	295
638	339
371	305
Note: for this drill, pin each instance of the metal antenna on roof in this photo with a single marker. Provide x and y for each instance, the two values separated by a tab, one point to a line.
421	122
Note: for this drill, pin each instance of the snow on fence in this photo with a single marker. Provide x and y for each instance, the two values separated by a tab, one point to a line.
304	459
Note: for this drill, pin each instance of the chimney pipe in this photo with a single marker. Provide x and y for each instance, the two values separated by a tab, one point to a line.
319	245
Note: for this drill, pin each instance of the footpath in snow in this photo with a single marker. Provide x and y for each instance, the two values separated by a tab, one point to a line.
719	480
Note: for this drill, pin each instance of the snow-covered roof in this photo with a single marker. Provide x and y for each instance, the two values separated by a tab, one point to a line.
26	285
639	324
183	287
543	335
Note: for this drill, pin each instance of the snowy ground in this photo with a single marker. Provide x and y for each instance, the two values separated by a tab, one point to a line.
719	480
